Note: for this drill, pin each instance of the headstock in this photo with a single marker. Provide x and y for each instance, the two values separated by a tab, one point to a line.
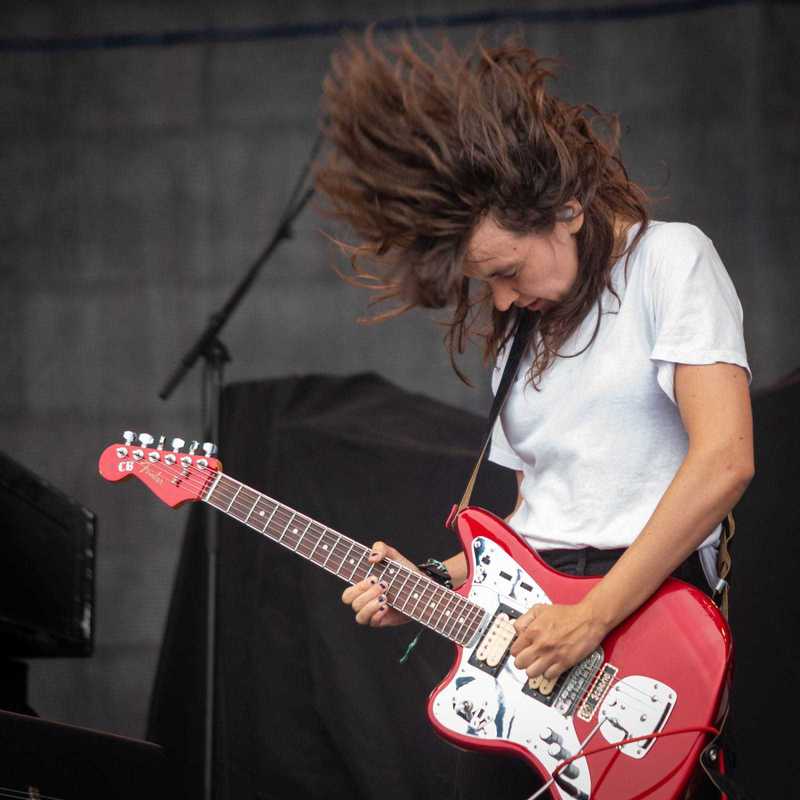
173	476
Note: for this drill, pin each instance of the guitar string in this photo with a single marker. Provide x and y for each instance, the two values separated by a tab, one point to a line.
397	570
246	506
202	483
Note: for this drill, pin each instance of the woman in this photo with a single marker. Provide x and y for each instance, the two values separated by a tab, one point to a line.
630	428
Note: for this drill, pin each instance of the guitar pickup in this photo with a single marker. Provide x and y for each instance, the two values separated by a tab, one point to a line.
491	652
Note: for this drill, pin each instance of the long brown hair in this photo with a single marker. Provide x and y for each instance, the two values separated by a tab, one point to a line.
427	141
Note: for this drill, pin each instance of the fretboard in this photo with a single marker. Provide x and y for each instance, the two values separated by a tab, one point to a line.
415	595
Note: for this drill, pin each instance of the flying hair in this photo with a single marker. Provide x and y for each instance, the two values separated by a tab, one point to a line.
425	141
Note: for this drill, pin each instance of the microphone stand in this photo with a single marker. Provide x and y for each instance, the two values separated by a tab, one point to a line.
215	355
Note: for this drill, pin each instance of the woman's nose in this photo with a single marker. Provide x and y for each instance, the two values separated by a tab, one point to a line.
503	296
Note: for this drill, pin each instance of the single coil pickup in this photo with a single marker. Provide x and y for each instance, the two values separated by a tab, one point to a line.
491	652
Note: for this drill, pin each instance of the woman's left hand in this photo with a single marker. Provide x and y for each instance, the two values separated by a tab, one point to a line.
552	638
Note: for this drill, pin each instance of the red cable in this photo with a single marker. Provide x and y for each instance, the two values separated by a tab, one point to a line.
583	753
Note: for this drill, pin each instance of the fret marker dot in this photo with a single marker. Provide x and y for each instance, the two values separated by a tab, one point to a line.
433	605
415	595
260	513
352	561
324	547
391	572
447	613
294	530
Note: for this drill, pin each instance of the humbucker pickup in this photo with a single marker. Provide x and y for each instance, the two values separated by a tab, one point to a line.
491	652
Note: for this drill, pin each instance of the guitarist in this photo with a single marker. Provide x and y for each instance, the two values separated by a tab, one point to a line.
471	186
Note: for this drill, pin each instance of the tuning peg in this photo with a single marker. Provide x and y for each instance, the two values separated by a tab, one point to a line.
161	440
209	448
129	436
193	446
146	439
177	443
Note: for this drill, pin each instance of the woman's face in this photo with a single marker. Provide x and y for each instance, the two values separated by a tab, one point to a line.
533	270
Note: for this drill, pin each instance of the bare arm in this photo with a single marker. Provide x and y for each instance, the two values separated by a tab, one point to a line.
714	404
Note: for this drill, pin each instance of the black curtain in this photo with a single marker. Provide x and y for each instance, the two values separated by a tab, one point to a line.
308	703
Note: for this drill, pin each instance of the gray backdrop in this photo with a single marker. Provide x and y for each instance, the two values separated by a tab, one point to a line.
139	182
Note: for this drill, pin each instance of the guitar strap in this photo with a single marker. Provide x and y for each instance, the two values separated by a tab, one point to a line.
526	323
724	564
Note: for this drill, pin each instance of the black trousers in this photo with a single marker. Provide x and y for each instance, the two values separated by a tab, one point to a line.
480	776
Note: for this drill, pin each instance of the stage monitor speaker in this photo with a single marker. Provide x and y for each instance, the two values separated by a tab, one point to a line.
47	554
44	760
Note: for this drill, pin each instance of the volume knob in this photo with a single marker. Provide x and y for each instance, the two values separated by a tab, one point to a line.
549	735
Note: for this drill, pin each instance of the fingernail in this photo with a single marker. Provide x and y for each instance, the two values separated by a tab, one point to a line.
384	585
373	553
382	608
373	580
382	598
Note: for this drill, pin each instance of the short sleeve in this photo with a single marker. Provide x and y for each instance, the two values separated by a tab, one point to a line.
500	451
695	311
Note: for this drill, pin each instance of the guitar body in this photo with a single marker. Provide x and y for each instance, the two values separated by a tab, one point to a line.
665	668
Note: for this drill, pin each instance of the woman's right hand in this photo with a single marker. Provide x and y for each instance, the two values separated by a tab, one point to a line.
368	597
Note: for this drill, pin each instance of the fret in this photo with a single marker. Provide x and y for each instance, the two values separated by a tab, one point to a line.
325	562
212	487
317	531
349	550
220	488
431	604
400	592
462	619
460	616
451	616
320	540
286	529
394	568
260	513
314	548
233	498
270	518
475	622
358	567
252	508
417	596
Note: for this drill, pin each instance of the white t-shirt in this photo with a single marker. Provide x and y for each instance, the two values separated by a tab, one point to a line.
603	438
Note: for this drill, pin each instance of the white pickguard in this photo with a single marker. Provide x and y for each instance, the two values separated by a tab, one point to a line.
495	708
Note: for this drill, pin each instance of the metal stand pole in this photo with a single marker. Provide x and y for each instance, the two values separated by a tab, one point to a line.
214	362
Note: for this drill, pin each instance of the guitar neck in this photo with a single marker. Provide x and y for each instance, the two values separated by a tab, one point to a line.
417	596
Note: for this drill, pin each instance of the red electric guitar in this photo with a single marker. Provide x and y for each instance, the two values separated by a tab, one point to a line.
628	721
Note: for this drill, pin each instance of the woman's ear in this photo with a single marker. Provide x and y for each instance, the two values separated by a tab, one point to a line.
571	215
